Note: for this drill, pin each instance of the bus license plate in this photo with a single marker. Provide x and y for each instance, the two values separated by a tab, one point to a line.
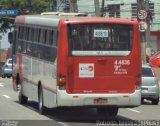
100	100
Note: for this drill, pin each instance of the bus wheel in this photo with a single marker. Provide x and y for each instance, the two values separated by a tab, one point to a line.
41	107
109	111
22	99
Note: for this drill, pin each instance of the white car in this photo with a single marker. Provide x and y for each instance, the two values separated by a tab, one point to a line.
7	68
150	85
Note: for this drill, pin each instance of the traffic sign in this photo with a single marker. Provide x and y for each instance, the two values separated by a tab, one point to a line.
142	14
143	26
8	12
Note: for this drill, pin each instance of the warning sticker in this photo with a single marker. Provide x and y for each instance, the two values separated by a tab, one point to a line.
86	70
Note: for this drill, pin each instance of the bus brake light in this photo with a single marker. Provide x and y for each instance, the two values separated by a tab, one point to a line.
138	80
61	80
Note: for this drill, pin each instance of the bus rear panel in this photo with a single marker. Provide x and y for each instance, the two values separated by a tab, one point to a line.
100	66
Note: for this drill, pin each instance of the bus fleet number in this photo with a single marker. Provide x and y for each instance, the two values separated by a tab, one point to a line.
101	33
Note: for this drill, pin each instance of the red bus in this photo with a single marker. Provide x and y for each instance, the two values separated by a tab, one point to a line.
68	61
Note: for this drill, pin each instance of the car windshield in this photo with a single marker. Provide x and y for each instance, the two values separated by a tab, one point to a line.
156	53
147	72
10	61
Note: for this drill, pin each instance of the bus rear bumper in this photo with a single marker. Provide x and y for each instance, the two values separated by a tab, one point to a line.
120	100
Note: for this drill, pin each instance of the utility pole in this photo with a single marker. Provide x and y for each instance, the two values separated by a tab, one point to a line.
102	8
97	8
144	26
50	5
53	5
29	5
71	6
148	46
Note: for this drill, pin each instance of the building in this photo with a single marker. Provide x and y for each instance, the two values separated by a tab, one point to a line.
122	9
4	53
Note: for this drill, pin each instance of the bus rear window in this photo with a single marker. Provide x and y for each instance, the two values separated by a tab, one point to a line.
100	37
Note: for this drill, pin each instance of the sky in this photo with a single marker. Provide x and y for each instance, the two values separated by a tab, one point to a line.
4	42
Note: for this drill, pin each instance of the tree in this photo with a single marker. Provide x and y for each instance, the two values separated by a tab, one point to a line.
34	6
23	7
39	6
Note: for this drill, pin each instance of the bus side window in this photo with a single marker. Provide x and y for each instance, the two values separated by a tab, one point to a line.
45	37
38	35
41	36
48	37
51	38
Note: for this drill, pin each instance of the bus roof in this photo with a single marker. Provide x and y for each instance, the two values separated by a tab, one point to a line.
64	14
53	20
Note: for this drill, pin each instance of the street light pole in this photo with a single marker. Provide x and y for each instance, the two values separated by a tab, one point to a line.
148	46
97	8
102	8
140	6
144	26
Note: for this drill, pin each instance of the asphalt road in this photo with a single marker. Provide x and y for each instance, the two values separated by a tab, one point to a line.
14	114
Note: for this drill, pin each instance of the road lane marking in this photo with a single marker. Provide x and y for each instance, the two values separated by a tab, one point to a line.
1	85
6	96
134	110
62	123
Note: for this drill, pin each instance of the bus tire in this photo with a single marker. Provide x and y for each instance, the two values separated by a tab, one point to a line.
41	107
108	111
22	99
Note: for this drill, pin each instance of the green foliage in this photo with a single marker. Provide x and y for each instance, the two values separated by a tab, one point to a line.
23	7
39	6
12	4
5	24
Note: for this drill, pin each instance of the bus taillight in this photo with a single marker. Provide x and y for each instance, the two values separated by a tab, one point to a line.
138	80
61	80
